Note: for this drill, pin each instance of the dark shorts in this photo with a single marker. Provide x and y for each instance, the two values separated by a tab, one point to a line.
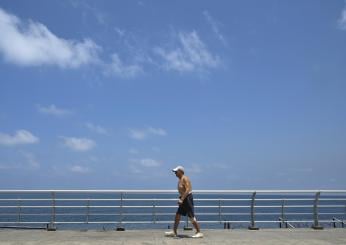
187	208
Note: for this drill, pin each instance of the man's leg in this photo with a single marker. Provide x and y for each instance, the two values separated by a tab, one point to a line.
176	222
195	224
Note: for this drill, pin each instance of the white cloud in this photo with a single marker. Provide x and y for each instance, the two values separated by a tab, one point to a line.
20	137
96	128
79	169
32	44
215	27
138	166
53	110
79	144
342	19
148	162
118	68
191	55
141	134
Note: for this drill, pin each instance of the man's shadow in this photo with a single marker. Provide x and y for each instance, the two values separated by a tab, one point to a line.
184	236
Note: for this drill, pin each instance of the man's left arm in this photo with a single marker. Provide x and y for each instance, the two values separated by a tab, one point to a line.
187	186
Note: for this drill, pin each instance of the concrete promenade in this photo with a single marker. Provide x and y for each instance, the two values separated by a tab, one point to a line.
241	236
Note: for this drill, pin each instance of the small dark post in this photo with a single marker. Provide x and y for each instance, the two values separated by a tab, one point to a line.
19	211
187	227
120	227
51	226
252	225
88	211
154	212
283	213
316	224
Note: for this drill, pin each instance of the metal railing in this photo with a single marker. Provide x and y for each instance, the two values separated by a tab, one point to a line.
226	208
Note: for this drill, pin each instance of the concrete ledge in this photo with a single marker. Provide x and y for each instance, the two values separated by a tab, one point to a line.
241	236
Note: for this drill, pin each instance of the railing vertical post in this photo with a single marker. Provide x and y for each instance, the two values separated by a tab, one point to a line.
252	214
51	226
187	227
220	211
19	211
88	211
154	212
283	218
316	224
343	223
120	227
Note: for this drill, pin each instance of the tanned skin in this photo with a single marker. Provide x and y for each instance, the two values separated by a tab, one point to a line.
184	188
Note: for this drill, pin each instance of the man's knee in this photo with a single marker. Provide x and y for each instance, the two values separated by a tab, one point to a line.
193	219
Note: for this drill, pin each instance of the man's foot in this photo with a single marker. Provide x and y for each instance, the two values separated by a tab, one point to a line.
198	235
170	234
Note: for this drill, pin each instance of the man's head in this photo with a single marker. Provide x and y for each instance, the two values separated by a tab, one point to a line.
179	171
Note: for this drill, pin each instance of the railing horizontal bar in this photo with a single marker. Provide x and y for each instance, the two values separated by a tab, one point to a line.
24	222
169	199
150	222
168	191
331	206
171	206
159	214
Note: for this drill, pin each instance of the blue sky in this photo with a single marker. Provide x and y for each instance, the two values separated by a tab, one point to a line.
110	94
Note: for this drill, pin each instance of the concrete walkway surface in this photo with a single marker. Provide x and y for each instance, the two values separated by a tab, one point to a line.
146	237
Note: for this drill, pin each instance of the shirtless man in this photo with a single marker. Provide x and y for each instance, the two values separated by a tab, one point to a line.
185	203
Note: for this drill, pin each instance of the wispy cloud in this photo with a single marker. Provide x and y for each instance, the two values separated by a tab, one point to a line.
140	165
119	68
27	161
31	159
88	9
214	24
20	137
79	144
30	43
149	162
80	169
194	169
53	110
133	151
141	134
342	19
96	128
190	55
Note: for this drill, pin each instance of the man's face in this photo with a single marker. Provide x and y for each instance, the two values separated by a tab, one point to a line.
178	173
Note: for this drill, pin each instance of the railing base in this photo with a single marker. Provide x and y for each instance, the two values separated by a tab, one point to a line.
318	227
188	228
120	229
253	228
51	227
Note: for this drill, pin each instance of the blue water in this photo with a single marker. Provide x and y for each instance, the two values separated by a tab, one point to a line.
234	215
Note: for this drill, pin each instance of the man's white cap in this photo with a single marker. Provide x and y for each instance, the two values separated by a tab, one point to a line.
181	168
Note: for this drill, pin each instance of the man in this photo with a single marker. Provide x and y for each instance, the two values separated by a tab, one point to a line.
185	203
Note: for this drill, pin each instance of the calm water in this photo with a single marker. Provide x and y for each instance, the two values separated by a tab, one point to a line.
149	213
